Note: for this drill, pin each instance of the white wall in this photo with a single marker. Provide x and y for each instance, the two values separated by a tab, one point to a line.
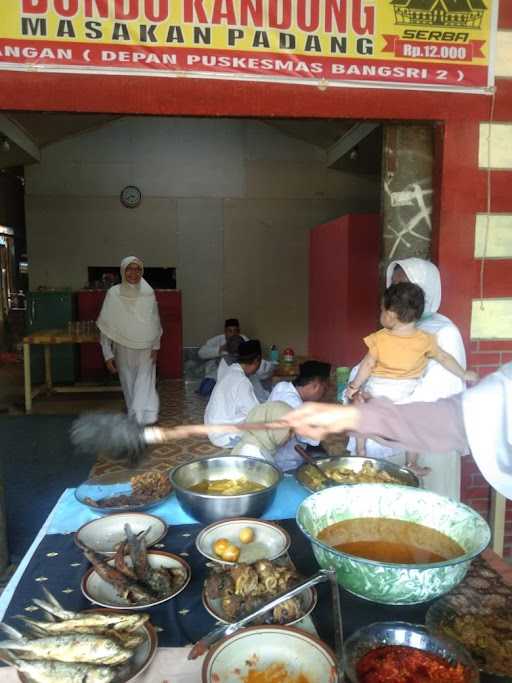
229	202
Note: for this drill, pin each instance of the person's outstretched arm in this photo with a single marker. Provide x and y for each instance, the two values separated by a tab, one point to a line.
420	427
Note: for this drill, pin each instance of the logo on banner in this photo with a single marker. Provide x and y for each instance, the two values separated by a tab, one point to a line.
442	33
448	13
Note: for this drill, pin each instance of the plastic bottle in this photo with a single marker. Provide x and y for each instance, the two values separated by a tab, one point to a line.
274	354
342	375
288	355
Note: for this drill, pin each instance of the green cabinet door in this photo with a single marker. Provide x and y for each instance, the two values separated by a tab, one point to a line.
52	310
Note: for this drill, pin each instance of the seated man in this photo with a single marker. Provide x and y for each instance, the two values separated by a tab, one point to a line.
233	397
310	385
212	352
216	349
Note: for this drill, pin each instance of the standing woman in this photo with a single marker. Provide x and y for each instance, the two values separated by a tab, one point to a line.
444	474
130	338
436	383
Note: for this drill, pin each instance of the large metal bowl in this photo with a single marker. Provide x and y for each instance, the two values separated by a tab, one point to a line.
305	474
407	635
206	507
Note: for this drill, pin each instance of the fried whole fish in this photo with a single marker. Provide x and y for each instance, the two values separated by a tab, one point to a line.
125	587
93	621
160	581
85	647
120	562
138	553
41	671
53	607
89	623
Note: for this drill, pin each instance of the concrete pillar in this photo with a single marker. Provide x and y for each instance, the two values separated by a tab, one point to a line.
407	189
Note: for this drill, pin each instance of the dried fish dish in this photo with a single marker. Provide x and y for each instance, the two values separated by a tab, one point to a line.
131	575
147	487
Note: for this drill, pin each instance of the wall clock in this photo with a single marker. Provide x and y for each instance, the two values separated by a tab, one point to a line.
131	196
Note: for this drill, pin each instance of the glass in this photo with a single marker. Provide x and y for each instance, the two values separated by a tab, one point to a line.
342	376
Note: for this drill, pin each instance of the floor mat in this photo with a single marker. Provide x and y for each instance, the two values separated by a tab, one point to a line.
38	464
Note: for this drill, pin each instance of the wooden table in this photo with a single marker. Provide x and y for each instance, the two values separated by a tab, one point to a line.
54	545
47	338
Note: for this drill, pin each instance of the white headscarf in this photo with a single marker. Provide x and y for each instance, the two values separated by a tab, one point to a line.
129	315
487	409
424	274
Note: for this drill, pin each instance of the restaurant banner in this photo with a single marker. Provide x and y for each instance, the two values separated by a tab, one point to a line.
421	44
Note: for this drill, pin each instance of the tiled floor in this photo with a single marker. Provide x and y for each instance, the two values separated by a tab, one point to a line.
179	404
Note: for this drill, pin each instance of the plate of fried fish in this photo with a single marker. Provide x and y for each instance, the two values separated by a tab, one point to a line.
231	593
92	646
135	577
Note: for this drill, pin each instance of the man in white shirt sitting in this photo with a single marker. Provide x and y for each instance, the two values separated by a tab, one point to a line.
310	385
215	350
233	396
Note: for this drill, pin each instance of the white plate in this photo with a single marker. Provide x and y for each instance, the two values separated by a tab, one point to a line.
270	541
257	647
103	535
102	593
143	655
213	606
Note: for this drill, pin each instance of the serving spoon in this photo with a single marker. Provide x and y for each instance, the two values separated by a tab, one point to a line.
328	481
